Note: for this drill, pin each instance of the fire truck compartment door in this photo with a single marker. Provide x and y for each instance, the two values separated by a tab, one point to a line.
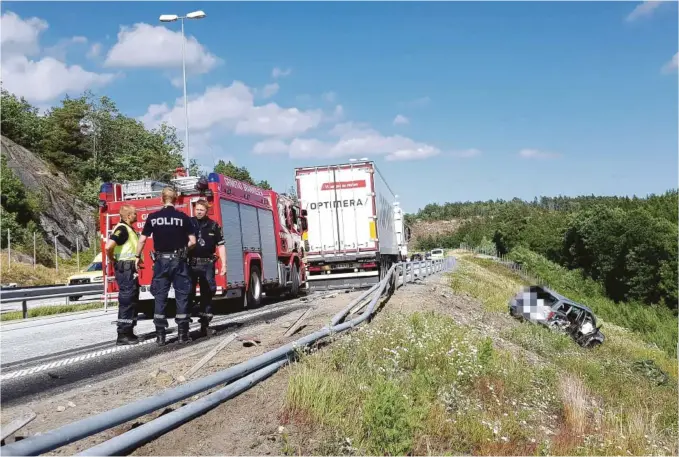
269	255
233	241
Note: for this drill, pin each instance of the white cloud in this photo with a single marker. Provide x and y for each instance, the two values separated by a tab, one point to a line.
330	97
270	90
466	153
535	154
232	108
279	73
48	78
58	51
94	51
400	120
643	9
45	79
353	140
148	46
19	36
672	65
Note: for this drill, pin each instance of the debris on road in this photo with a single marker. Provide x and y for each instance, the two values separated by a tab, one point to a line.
298	323
213	352
71	404
61	408
16	424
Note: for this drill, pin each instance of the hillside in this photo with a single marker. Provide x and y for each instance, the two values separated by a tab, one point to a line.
443	370
626	245
60	213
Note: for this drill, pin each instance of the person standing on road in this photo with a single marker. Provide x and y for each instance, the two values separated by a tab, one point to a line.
202	262
173	236
121	250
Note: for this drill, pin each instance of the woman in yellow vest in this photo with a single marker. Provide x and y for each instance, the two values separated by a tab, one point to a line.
121	251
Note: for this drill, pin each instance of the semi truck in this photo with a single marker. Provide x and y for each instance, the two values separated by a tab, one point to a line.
351	237
262	231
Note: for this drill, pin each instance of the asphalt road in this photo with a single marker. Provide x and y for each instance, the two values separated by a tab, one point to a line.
50	355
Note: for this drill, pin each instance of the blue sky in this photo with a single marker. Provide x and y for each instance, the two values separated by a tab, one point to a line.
586	90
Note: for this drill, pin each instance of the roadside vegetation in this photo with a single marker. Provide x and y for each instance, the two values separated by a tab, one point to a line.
42	311
626	245
424	384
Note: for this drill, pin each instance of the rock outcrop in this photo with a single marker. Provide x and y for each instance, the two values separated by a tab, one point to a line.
64	215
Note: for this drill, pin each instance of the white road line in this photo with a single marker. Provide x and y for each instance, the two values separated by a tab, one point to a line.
101	352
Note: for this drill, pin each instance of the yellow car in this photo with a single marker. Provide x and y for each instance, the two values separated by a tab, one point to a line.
92	274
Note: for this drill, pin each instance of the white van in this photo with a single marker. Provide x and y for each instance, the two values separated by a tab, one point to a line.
437	254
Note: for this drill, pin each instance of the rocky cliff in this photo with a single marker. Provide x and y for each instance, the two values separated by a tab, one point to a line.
64	215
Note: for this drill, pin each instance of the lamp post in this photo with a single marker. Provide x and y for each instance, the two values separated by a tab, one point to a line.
172	18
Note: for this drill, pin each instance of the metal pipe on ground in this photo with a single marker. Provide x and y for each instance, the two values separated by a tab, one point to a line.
122	444
143	434
83	428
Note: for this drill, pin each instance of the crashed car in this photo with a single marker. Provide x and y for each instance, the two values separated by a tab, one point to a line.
416	257
546	307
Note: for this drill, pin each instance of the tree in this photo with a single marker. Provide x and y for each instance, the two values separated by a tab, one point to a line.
20	121
232	171
264	184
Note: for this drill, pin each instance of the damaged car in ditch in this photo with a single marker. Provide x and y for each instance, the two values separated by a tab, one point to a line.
544	306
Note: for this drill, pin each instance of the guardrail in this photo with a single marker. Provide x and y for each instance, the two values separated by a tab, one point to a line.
26	294
245	374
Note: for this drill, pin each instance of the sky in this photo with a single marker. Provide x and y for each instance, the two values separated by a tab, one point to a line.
454	101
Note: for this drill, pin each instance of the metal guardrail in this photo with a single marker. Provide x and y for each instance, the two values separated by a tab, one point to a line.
42	293
245	374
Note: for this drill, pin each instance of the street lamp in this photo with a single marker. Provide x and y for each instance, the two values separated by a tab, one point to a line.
172	18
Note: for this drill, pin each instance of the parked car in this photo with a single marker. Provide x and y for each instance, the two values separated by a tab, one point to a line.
427	255
437	253
92	274
544	306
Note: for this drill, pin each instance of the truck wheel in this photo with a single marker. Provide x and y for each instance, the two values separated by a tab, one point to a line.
253	297
294	289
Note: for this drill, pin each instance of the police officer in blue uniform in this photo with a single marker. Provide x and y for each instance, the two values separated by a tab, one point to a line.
202	262
120	254
173	235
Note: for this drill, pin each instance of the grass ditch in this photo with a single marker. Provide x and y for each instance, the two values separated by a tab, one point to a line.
422	384
41	311
656	324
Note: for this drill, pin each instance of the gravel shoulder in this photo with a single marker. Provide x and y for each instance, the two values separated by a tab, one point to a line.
159	372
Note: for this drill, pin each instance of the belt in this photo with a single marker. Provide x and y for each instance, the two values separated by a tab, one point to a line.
203	259
167	255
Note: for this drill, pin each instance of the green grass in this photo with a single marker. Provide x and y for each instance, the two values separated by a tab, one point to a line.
51	310
423	384
657	325
632	401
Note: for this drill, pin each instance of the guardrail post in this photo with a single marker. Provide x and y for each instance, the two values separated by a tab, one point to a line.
24	309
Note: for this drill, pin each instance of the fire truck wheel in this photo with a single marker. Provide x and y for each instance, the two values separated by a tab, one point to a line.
294	289
253	296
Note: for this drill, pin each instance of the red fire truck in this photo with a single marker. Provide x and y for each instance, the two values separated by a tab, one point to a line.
262	233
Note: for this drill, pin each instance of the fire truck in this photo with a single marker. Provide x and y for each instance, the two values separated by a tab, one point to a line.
262	232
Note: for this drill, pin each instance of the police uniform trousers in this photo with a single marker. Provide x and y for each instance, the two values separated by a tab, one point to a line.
171	269
128	295
203	274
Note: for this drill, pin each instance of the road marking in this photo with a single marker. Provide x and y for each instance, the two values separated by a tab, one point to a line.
101	352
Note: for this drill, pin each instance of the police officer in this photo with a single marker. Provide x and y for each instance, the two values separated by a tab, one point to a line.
202	262
173	235
120	252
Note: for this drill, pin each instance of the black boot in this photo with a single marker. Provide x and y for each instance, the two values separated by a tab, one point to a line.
205	330
160	336
184	334
126	338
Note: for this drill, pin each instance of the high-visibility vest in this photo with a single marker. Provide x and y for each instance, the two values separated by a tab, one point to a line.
128	250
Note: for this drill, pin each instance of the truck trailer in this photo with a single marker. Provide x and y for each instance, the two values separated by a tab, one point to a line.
262	231
351	237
